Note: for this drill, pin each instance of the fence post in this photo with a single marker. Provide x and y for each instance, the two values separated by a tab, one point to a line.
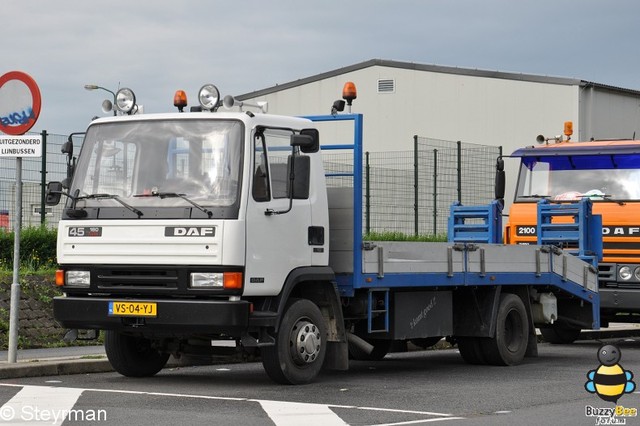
459	171
367	196
435	191
43	177
415	184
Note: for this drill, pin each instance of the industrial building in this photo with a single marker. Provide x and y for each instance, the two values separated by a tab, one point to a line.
402	99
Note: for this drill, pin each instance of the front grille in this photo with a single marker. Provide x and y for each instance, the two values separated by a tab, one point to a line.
109	279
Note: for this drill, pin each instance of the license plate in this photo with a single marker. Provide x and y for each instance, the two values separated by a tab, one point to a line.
133	309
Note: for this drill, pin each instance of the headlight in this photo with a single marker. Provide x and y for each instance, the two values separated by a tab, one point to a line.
625	273
207	280
217	280
636	272
125	100
77	279
209	95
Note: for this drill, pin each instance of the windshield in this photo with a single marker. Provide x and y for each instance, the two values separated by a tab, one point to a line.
160	164
571	178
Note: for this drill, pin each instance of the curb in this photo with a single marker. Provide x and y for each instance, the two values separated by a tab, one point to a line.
37	368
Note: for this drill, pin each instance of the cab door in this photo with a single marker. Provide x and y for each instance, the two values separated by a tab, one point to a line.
277	238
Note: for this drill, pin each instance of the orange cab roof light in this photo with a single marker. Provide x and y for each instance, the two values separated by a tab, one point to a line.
349	92
180	100
568	129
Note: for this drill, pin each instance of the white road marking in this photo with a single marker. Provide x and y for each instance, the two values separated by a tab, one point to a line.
40	404
282	413
295	413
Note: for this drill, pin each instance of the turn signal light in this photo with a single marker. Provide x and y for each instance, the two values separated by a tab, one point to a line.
233	280
59	277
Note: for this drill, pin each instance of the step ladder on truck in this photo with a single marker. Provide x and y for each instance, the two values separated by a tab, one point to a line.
189	229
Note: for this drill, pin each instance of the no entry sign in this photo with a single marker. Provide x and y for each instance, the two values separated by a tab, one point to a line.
20	103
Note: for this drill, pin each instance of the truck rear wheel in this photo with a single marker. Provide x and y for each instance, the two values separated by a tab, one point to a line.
301	344
509	345
133	356
559	334
472	350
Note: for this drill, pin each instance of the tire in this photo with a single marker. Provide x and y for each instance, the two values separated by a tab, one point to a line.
380	350
301	345
560	335
509	345
471	349
133	356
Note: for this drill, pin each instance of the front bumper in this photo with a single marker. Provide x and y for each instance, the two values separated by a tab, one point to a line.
173	316
620	300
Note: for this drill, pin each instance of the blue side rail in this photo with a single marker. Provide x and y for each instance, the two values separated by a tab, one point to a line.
580	233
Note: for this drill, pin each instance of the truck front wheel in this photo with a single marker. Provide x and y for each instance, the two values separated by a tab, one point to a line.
509	345
133	356
301	342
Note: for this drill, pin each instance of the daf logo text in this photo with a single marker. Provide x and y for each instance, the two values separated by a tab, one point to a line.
189	231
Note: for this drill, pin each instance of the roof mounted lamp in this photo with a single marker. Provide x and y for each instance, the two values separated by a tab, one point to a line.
349	93
209	96
180	100
126	101
568	129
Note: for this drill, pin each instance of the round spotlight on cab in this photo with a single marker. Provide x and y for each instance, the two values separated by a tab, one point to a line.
209	96
125	100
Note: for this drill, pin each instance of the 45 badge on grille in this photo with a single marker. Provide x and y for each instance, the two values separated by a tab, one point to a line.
85	231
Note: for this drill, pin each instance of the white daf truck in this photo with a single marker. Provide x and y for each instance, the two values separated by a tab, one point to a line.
188	229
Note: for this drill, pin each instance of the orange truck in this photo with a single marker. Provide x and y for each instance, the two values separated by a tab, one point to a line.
608	173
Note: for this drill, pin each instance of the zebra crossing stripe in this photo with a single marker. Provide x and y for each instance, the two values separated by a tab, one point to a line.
296	413
40	404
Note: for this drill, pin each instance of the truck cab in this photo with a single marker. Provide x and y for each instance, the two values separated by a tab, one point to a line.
184	228
606	172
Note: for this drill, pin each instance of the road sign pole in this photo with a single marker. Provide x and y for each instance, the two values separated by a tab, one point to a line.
15	286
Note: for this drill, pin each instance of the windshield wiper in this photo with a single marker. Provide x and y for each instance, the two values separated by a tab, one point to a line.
163	195
109	197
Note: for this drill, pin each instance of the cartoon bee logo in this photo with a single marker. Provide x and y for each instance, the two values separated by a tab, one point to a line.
609	381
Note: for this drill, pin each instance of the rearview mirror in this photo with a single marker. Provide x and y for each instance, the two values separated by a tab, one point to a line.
53	194
308	140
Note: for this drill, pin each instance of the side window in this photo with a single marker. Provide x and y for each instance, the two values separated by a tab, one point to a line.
260	187
278	144
271	153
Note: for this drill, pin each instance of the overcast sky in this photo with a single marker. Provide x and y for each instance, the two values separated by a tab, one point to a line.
158	46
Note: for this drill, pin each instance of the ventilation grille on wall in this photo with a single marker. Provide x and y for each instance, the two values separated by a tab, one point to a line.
386	85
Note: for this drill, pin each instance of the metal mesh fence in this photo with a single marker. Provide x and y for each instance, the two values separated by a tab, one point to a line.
411	192
32	190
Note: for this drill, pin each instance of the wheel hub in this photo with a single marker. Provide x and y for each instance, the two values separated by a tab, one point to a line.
305	342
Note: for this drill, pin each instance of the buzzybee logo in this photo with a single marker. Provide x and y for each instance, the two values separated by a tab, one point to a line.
610	381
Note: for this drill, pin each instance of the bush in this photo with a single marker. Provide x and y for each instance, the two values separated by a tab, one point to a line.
37	249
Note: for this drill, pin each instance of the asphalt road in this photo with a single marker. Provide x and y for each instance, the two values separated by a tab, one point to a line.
403	389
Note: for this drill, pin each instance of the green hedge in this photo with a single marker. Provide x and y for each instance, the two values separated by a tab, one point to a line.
37	249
